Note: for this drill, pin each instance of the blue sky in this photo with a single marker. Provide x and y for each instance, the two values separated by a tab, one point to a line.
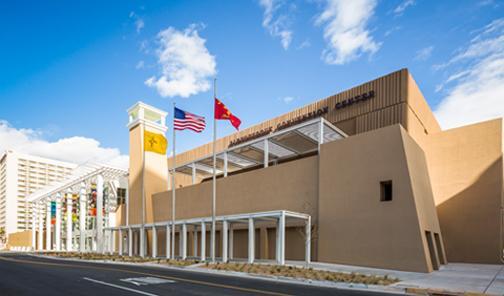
70	69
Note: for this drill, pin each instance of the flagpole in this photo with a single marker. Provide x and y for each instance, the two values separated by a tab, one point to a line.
173	189
142	235
214	181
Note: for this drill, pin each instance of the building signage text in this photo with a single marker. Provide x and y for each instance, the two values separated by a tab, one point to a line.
310	115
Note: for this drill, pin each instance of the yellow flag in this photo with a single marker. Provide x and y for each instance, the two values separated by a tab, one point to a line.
155	142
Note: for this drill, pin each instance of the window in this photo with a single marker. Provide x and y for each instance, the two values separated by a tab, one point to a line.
386	190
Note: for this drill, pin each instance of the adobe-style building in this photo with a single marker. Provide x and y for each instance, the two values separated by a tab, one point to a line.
382	184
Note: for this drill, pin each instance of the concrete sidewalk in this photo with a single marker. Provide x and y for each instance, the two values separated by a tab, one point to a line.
453	277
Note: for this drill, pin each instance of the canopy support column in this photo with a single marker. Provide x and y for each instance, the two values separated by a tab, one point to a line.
183	237
168	243
48	225
130	242
280	240
195	241
120	242
142	241
57	225
224	241
82	218
99	213
203	242
69	222
154	242
231	241
251	240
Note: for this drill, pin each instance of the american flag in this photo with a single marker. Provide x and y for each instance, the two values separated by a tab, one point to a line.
185	120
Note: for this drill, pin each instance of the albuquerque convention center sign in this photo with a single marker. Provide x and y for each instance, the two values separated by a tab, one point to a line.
310	115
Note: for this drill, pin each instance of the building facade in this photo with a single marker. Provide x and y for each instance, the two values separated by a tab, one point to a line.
383	184
21	175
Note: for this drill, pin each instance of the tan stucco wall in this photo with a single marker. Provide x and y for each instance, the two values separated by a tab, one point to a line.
154	173
289	186
20	239
420	121
355	226
456	175
465	165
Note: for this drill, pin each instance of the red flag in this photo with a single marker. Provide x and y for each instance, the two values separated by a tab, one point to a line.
222	112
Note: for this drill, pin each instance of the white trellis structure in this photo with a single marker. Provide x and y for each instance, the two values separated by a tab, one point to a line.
199	226
90	181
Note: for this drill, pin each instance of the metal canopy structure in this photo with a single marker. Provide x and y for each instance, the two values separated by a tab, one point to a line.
56	206
297	140
227	224
80	174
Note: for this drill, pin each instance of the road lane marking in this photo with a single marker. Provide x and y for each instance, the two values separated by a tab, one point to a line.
198	282
148	280
119	287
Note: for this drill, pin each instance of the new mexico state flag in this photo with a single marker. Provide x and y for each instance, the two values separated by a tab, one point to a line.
155	142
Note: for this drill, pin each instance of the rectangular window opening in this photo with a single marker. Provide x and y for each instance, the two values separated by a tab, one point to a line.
386	190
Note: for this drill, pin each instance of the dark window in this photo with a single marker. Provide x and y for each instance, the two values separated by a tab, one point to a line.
121	196
386	190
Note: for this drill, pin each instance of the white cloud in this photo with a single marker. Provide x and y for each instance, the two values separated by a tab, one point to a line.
277	23
345	30
186	64
475	93
139	25
399	10
424	53
287	99
77	150
139	22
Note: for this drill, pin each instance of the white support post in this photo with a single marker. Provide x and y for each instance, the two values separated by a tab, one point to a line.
40	221
154	242
120	242
130	242
168	243
69	222
308	241
195	241
266	153
34	227
193	166
224	241
48	225
82	218
281	240
225	164
231	241
251	240
57	225
142	241
99	213
183	235
203	242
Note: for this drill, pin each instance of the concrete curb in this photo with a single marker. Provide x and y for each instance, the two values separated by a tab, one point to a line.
282	279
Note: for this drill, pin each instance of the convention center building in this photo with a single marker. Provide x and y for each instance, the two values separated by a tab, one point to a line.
364	177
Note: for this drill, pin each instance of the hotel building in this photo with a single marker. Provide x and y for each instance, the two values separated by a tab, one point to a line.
21	175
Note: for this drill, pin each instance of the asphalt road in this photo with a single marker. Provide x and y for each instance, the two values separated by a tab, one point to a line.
22	274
